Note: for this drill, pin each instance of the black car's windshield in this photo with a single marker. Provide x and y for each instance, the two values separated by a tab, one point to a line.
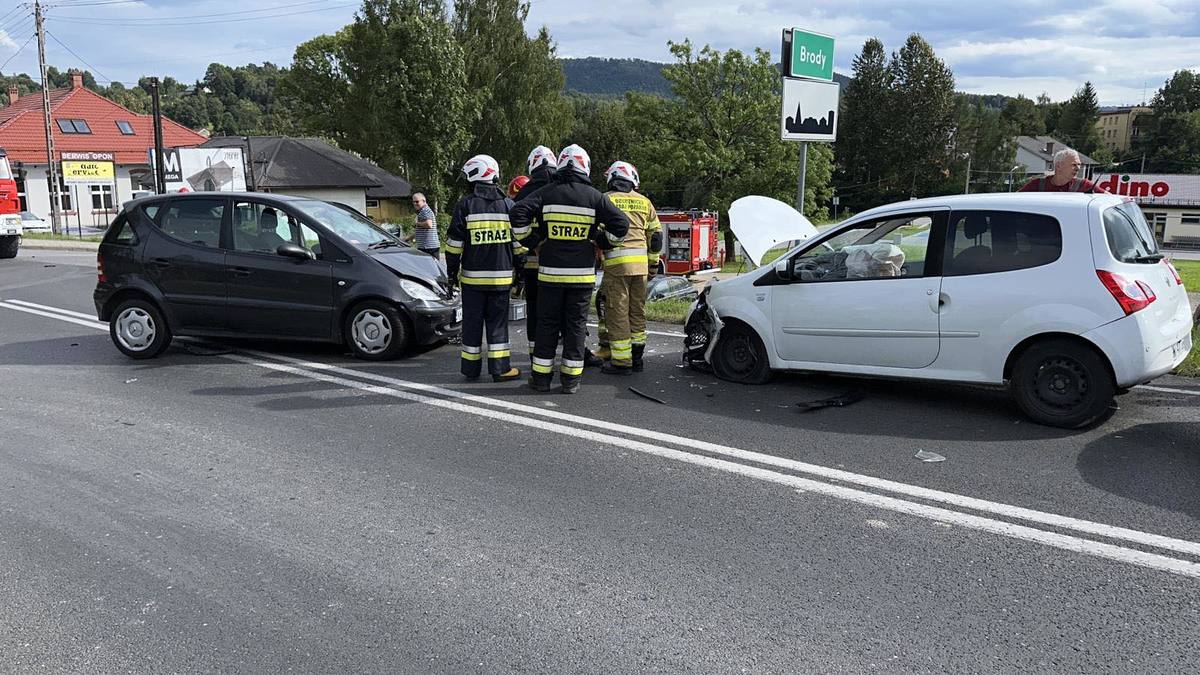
350	227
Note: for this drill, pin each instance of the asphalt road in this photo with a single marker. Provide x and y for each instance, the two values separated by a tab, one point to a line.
281	507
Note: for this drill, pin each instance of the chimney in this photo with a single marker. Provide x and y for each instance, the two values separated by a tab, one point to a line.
76	79
13	94
1049	147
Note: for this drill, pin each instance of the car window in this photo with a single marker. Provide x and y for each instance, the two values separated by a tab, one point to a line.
196	221
892	247
261	228
985	242
677	284
310	240
120	232
351	228
1129	237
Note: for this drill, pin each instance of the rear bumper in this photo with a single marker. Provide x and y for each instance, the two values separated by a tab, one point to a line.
1140	351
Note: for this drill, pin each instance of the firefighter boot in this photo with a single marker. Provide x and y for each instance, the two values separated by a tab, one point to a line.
591	360
611	368
512	374
540	382
570	383
638	350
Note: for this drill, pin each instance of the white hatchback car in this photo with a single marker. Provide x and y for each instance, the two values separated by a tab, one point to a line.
1064	298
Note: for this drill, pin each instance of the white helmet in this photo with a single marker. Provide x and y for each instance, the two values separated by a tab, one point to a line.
576	159
481	169
622	170
541	156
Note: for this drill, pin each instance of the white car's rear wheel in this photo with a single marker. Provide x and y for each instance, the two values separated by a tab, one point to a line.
1062	383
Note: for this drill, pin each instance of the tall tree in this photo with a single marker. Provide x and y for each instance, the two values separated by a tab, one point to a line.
922	103
1077	122
865	119
514	80
317	86
1023	117
1170	138
1180	94
601	127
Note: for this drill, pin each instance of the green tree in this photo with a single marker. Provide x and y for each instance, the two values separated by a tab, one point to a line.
1180	94
602	128
514	80
865	119
1077	122
985	137
922	102
1023	118
317	86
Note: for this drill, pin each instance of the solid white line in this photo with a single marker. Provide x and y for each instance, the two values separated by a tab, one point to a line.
1169	390
1056	540
950	498
1054	520
90	324
81	315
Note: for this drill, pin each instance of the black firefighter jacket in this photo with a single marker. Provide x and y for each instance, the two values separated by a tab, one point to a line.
480	243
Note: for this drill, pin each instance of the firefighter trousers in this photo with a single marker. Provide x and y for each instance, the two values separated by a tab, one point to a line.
562	310
623	325
531	306
485	311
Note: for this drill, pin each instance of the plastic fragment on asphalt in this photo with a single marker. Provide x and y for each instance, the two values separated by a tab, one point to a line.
647	396
926	456
131	380
839	401
877	524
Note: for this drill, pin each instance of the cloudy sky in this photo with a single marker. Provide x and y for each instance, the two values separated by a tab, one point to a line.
1124	47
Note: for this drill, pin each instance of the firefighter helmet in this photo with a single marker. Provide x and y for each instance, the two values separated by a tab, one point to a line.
623	170
481	169
515	185
541	156
576	159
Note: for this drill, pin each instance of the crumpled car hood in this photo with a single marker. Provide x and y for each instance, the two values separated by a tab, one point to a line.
412	263
760	223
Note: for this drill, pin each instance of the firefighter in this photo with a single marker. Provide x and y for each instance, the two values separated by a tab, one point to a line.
479	254
569	214
541	165
515	185
626	267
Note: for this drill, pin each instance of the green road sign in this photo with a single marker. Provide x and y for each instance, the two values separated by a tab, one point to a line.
807	54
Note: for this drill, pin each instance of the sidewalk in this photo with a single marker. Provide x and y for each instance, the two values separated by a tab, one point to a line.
60	245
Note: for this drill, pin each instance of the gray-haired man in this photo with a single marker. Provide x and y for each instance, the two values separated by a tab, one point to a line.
1066	165
425	237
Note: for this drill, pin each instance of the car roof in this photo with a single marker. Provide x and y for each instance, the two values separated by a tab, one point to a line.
261	196
1000	201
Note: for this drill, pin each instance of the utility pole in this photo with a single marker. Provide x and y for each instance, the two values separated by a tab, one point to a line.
55	202
160	179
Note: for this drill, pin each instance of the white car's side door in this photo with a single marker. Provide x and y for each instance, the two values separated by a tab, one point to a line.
864	296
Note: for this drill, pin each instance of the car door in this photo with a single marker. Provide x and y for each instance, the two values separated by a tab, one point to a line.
270	294
184	259
867	296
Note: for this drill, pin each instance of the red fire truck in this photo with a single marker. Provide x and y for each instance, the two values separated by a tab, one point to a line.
693	242
10	210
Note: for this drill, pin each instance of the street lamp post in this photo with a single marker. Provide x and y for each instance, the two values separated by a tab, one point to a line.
967	183
1010	176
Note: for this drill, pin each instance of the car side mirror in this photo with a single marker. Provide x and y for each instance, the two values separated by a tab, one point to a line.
290	250
783	269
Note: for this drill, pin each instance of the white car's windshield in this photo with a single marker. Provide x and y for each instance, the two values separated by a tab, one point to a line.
349	227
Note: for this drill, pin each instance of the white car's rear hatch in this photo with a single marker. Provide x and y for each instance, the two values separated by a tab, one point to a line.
761	223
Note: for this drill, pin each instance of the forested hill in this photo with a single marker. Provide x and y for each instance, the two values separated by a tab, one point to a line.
614	77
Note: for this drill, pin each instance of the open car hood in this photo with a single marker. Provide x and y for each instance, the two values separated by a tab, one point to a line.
760	223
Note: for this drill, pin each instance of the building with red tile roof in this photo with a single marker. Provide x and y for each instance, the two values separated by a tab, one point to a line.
82	121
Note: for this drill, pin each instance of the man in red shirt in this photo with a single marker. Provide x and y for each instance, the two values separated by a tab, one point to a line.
1066	165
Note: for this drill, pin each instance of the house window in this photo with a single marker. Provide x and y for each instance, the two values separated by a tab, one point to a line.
102	197
125	127
372	203
73	126
64	195
1190	219
21	192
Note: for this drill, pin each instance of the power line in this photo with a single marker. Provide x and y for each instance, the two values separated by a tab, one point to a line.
14	10
90	66
18	52
89	4
188	20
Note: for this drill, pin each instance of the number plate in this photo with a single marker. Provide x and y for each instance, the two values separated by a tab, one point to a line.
457	314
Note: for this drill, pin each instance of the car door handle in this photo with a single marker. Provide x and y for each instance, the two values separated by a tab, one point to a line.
240	271
160	263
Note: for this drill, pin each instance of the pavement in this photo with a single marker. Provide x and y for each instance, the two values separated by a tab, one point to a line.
271	506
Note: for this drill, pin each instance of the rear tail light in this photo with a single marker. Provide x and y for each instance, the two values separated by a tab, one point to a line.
100	269
1174	272
1133	296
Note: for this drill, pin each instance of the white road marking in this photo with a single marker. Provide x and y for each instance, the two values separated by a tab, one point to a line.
649	332
311	370
81	315
1169	390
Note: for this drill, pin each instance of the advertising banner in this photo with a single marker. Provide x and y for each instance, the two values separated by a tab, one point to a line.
204	169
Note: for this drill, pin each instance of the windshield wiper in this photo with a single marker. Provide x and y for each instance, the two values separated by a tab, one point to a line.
385	243
1151	258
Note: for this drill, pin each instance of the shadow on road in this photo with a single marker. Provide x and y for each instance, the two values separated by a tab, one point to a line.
1156	464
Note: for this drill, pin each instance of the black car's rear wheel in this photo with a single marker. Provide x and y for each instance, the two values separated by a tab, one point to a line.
9	246
376	331
138	329
1061	383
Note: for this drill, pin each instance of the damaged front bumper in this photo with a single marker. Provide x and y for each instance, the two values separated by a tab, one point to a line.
701	331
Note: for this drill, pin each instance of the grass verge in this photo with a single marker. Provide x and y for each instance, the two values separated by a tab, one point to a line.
1191	365
50	236
1189	270
667	311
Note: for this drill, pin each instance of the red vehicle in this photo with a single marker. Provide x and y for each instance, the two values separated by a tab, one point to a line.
10	210
693	241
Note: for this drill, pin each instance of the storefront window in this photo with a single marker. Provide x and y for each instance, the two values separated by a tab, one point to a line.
102	197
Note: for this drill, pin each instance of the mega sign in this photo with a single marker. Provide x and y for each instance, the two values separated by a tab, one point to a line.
1164	188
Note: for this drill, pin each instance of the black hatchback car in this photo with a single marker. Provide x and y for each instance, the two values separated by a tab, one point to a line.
256	265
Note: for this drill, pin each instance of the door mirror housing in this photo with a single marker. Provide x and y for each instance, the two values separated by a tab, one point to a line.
783	269
290	250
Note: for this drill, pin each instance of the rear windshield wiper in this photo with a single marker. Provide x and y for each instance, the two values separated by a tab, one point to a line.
385	243
1151	258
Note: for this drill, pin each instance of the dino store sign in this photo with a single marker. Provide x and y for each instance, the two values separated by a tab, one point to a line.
1177	188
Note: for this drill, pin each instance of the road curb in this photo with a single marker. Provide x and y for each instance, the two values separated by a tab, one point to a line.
52	245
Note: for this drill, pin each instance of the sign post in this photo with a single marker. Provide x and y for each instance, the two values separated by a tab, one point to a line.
810	96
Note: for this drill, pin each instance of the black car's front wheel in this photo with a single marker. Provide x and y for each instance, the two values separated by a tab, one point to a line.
376	331
139	330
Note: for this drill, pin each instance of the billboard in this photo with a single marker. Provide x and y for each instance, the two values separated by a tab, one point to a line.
204	169
1152	188
87	168
809	110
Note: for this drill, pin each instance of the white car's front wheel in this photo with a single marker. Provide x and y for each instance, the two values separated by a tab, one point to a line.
740	355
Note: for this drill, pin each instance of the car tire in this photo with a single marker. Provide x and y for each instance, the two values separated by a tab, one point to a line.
138	329
1062	383
9	247
376	331
740	356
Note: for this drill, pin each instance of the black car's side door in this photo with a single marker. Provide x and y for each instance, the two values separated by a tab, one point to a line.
270	294
184	259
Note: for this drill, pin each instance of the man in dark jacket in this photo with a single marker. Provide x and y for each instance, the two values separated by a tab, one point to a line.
541	167
479	254
569	214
